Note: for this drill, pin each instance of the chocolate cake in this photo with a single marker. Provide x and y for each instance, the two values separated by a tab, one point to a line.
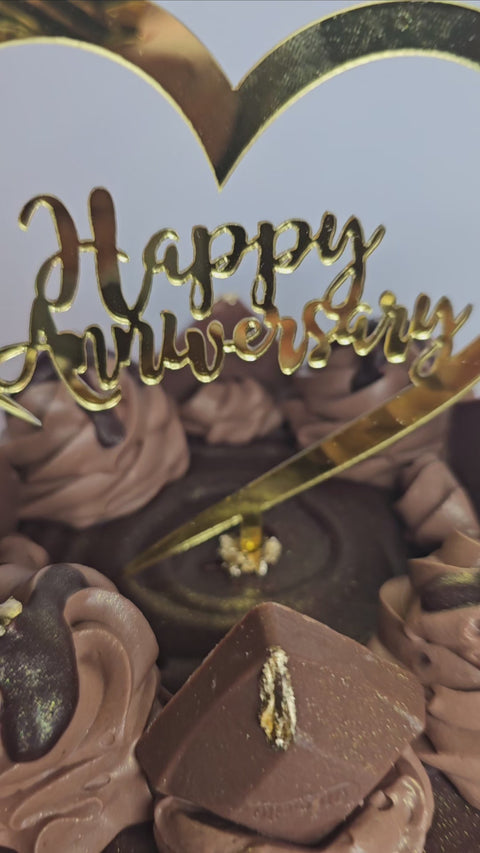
82	500
191	446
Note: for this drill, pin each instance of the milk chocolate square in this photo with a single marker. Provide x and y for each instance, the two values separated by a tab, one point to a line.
285	728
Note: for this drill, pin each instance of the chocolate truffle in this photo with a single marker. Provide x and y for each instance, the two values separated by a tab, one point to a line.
301	726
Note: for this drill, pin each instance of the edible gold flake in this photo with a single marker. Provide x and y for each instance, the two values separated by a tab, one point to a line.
278	713
9	610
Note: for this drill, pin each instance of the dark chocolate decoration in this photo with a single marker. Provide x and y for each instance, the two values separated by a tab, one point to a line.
38	673
456	824
355	714
371	367
464	457
109	429
454	589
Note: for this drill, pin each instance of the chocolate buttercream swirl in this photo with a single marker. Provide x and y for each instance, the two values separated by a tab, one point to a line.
329	398
394	819
86	784
430	622
433	502
82	470
234	411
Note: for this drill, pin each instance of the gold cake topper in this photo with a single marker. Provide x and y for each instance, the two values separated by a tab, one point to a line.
342	302
139	34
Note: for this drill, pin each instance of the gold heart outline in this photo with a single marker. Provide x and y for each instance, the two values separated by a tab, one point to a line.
226	120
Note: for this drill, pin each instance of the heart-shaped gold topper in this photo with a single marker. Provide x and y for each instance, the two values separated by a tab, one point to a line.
227	120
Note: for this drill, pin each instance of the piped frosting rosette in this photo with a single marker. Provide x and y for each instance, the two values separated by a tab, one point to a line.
231	411
394	819
83	468
432	502
77	681
430	623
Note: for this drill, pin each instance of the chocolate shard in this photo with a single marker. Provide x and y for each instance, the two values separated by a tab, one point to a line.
287	744
453	589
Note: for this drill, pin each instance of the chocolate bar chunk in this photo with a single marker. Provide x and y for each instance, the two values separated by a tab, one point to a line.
285	728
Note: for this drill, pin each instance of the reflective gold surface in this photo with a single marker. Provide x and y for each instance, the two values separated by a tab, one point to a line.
227	120
339	314
362	438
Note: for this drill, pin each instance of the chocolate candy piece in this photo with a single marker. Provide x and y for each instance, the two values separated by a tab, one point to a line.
453	589
38	675
285	728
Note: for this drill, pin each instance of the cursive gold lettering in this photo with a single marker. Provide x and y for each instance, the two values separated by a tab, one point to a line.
341	304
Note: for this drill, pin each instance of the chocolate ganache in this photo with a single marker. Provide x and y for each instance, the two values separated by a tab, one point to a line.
340	541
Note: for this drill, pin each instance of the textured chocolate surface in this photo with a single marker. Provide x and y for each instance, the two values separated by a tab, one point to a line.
456	824
295	744
38	675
